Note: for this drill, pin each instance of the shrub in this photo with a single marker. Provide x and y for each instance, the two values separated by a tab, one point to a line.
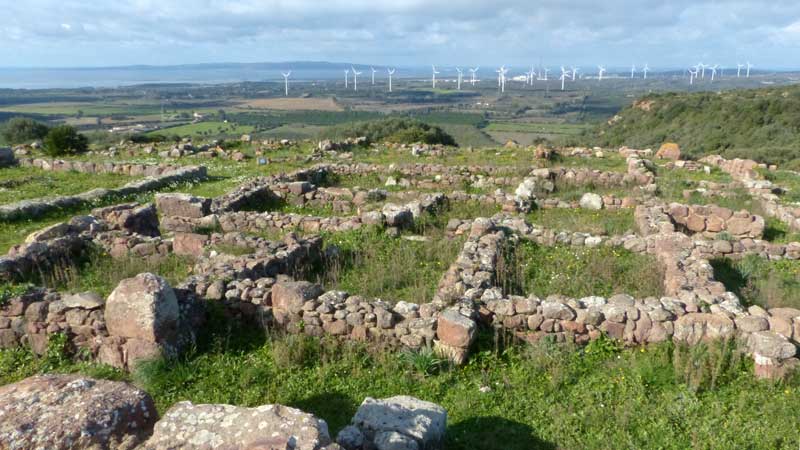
64	140
398	130
20	130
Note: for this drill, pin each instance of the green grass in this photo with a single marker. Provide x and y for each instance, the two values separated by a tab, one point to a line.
602	222
778	231
577	272
543	396
758	281
371	264
787	180
24	183
545	128
205	128
100	273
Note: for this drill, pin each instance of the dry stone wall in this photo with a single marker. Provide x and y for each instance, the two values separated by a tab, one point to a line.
27	209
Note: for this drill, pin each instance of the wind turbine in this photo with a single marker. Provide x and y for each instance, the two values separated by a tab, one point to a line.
346	73
702	68
373	75
645	69
564	74
713	71
692	75
600	71
546	71
286	82
433	80
473	71
530	75
501	78
739	70
391	72
355	79
460	76
749	66
633	71
574	72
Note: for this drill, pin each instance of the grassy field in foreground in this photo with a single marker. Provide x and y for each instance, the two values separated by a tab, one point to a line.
522	397
23	183
585	221
757	281
578	272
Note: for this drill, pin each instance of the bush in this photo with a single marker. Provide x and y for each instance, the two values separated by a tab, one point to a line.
19	130
63	140
398	130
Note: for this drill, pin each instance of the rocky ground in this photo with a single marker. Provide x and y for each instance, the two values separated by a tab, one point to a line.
258	251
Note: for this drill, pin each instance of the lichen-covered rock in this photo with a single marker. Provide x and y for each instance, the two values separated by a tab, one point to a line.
182	205
422	421
71	411
291	296
145	311
204	427
590	200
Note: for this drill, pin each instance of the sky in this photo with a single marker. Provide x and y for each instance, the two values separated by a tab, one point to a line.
662	33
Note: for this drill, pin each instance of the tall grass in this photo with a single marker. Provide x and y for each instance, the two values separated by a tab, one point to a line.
527	268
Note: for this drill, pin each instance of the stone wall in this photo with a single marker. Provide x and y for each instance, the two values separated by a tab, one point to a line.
708	221
27	209
122	168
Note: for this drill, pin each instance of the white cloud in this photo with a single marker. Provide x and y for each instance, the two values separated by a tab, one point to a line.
403	31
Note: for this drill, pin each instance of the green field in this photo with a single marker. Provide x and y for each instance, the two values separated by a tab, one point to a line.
205	128
537	128
23	183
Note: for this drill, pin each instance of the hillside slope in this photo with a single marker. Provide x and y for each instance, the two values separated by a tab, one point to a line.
762	124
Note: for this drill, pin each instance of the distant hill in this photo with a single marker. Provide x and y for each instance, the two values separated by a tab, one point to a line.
761	124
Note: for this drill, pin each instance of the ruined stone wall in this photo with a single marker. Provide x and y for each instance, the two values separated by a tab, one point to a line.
38	207
122	168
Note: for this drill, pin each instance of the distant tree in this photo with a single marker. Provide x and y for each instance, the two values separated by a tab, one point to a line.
64	140
20	130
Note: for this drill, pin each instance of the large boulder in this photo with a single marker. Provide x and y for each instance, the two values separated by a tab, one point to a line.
400	420
140	219
669	150
182	205
189	426
590	200
145	311
397	216
72	411
703	327
7	157
291	296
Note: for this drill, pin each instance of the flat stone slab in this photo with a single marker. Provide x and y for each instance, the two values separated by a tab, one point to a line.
71	411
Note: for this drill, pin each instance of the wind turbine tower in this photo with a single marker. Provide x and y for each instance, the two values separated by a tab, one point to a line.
501	78
530	76
600	71
346	75
355	79
645	69
391	72
739	70
574	72
633	71
702	68
286	82
749	66
713	71
433	79
692	75
460	76
373	75
473	71
564	74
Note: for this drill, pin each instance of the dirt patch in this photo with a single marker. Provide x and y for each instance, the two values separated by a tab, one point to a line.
645	105
292	104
